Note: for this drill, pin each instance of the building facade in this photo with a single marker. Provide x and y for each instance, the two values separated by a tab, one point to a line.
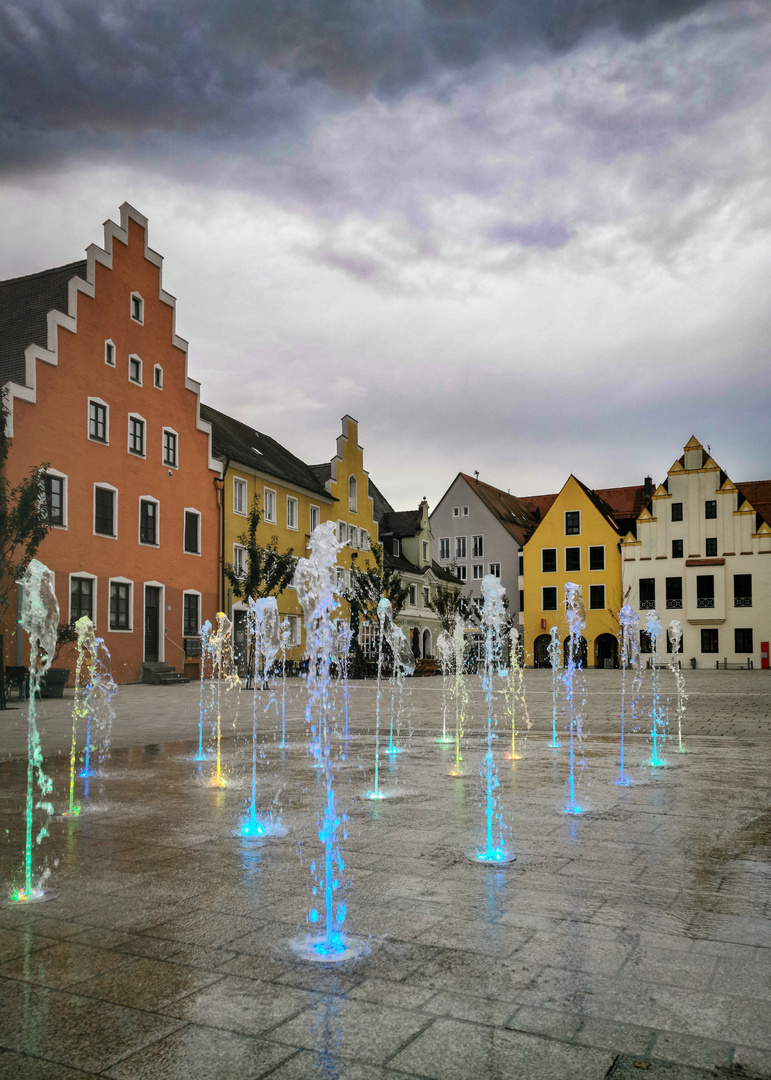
701	554
96	383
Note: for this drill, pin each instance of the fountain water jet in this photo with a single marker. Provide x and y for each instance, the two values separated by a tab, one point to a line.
515	693
555	656
658	718
344	639
222	667
675	636
264	629
383	607
93	702
445	651
460	691
576	613
630	657
403	664
205	635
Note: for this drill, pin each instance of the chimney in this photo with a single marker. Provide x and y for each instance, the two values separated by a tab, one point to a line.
648	488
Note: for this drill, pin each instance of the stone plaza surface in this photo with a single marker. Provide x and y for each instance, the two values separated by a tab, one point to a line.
630	941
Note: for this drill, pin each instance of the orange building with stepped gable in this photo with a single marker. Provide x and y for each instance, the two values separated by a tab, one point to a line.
95	382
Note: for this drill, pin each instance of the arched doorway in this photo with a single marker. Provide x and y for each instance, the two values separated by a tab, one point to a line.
606	651
541	651
579	651
426	643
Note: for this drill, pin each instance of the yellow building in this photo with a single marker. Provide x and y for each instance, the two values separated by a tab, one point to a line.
578	540
292	502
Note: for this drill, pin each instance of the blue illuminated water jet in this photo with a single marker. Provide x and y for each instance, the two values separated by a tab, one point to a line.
576	614
658	717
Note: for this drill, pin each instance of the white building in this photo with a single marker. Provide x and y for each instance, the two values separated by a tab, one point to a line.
702	555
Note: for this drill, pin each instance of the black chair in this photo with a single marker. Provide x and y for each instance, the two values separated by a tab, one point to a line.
17	678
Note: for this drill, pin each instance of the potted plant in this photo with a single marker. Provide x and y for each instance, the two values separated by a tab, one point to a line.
53	682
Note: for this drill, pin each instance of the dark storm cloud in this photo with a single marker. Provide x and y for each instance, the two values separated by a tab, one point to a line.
95	74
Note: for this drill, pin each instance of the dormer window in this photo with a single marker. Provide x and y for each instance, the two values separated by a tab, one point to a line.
137	308
397	548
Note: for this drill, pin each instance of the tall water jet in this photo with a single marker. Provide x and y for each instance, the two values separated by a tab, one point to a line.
576	613
206	654
264	630
223	667
493	617
515	692
383	608
555	657
445	651
40	618
460	690
286	637
94	691
344	639
675	635
630	657
316	583
658	717
403	663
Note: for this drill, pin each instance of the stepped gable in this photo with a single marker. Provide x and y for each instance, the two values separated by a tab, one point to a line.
513	513
758	495
238	441
24	306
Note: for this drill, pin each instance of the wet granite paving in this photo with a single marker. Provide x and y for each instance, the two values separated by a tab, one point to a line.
630	941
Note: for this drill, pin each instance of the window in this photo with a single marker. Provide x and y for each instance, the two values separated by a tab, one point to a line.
353	495
465	511
743	640
137	308
444	547
646	643
104	511
572	522
521	599
413	595
677	511
460	547
294	629
677	549
353	536
549	560
170	448
239	496
424	549
549	598
521	561
148	521
136	436
315	518
426	596
342	532
98	421
192	532
478	571
597	558
270	506
710	545
81	598
53	493
742	590
364	540
647	593
572	558
109	353
709	640
239	559
495	569
158	377
477	547
120	605
397	548
456	511
674	586
460	573
597	597
710	508
135	370
191	614
705	591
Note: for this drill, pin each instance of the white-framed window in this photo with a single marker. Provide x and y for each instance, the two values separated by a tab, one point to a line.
239	496
363	539
295	628
314	518
158	377
121	619
426	596
572	523
461	572
424	544
477	571
109	353
460	547
353	536
343	579
149	521
82	596
191	613
342	532
192	531
596	597
170	448
136	434
549	598
105	510
413	596
495	569
269	504
597	557
397	547
55	496
464	511
239	558
477	547
135	369
548	560
137	308
456	511
353	495
444	547
98	421
291	512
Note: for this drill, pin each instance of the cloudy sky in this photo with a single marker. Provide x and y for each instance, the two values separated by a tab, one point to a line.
527	237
